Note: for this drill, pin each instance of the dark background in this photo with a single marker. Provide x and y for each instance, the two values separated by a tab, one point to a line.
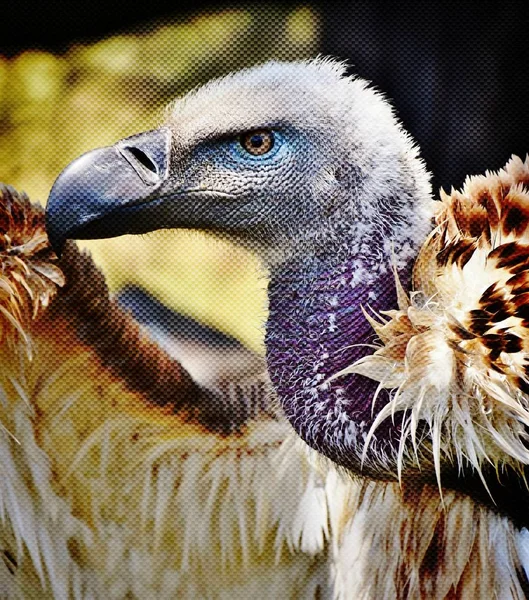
458	72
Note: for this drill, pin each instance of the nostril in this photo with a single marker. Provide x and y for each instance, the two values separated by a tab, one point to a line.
142	158
148	154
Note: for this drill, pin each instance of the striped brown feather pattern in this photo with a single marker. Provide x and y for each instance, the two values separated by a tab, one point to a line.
456	353
26	286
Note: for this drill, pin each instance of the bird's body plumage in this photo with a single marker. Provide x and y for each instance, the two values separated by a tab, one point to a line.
108	491
406	542
454	357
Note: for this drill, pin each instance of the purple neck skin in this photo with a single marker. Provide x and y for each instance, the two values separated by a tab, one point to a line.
314	330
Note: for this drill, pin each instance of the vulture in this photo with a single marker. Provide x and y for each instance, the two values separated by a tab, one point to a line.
396	341
125	474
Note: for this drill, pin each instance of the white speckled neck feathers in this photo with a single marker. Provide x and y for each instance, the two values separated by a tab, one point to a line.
379	215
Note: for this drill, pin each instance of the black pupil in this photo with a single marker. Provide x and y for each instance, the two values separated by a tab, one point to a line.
257	140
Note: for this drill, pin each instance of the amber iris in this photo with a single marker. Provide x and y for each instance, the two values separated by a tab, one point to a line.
258	142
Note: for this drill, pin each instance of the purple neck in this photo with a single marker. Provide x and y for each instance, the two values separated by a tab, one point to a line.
314	331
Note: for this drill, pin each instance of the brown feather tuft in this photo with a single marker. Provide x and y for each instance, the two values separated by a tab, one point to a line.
26	286
457	359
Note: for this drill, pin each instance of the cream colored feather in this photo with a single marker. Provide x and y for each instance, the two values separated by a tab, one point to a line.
455	353
104	494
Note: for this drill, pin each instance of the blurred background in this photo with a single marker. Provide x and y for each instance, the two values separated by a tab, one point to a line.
74	76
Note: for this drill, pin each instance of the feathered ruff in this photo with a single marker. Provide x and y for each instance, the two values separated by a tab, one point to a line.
456	352
107	492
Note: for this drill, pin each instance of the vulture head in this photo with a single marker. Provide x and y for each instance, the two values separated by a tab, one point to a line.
311	169
280	157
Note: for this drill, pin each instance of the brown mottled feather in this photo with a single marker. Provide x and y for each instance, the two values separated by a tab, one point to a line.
458	355
26	287
121	478
117	338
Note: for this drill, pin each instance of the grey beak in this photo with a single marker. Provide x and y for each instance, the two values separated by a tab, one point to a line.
100	194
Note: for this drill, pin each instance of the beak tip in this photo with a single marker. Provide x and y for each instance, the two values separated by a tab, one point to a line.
56	237
57	243
88	197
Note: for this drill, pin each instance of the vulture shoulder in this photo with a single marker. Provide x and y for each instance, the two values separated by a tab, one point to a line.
454	358
456	351
121	476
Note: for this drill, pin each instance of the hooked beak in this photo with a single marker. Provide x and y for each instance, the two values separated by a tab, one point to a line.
104	193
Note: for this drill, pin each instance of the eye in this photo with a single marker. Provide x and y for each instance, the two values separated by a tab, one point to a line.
257	142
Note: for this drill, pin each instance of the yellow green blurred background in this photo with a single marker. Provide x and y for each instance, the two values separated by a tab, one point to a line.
55	107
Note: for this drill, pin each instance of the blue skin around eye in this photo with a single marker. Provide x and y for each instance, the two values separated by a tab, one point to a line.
230	154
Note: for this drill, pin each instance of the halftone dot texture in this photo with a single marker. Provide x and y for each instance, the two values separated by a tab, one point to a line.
115	491
455	72
111	491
